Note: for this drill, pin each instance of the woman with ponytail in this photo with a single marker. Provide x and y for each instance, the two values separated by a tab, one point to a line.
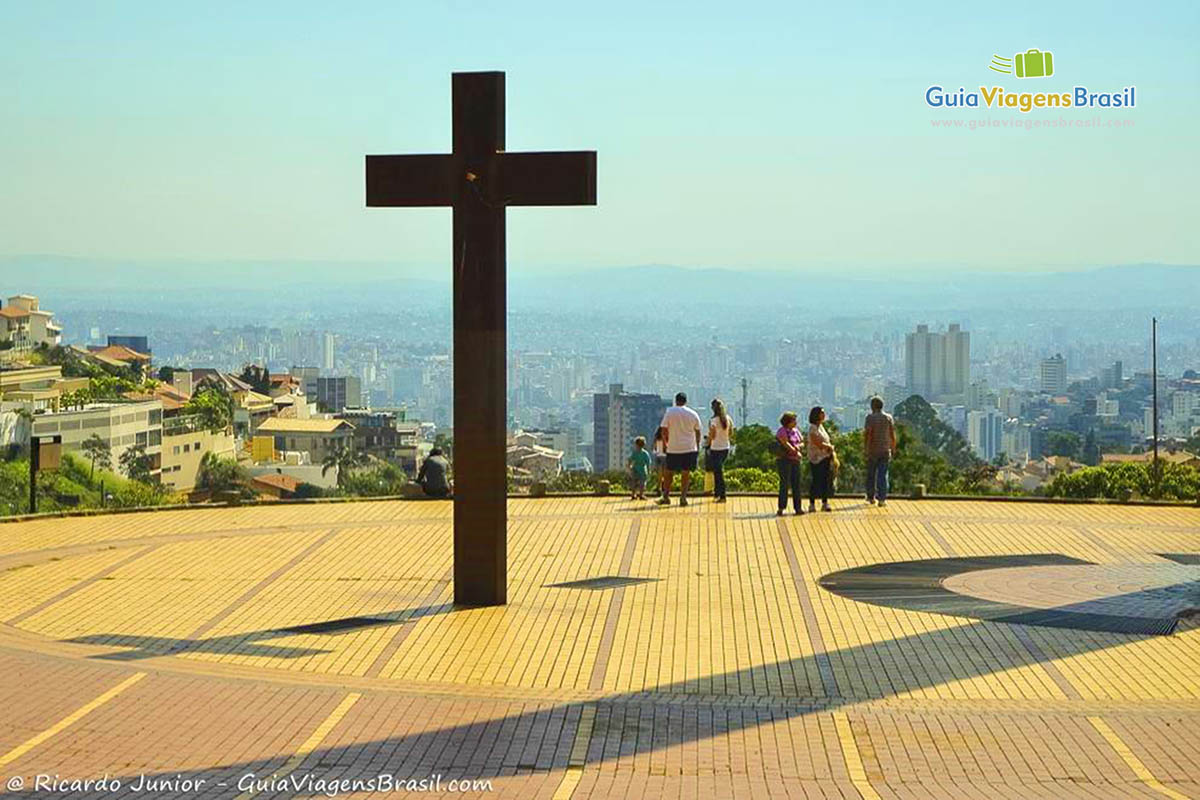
720	437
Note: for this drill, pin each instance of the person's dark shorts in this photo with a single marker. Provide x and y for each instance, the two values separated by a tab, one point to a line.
682	462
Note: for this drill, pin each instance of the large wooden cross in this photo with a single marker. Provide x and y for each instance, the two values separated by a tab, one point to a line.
479	180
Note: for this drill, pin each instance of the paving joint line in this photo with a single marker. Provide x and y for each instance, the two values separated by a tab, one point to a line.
1019	631
1139	768
80	586
815	639
69	720
310	745
613	616
408	624
257	588
577	758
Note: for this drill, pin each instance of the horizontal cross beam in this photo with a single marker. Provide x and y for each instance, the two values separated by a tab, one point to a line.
511	179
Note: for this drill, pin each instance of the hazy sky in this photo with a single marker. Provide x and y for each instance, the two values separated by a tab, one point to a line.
765	135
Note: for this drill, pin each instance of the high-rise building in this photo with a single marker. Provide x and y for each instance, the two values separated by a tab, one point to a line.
1017	441
985	432
958	360
619	417
1054	375
340	393
1112	377
328	359
938	364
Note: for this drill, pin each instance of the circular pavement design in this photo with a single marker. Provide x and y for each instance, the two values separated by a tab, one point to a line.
1049	590
1127	590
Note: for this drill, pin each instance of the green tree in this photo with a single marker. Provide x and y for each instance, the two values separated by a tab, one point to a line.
218	474
752	448
213	406
1192	445
751	479
382	480
98	452
258	378
1123	480
1062	443
345	460
935	434
136	463
110	387
446	444
571	482
1091	452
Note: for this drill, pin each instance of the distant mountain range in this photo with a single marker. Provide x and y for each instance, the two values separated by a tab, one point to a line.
242	285
1115	287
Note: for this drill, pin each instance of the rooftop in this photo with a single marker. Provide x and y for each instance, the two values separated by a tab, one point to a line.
119	353
931	648
288	425
278	481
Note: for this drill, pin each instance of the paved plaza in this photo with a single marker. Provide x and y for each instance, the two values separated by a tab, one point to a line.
960	649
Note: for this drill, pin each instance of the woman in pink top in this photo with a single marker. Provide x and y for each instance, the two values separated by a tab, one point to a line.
820	458
788	462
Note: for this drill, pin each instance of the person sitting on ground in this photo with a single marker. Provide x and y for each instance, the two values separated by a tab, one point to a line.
433	475
639	468
879	441
681	430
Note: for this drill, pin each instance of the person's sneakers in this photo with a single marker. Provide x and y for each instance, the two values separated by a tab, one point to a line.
799	512
825	507
812	507
779	513
722	500
664	501
870	501
882	503
683	501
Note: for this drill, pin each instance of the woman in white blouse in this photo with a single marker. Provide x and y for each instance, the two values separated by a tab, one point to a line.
820	460
720	435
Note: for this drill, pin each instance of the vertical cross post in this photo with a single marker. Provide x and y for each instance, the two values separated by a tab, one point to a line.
480	344
479	179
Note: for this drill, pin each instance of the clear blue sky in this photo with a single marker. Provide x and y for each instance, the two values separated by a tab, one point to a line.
772	135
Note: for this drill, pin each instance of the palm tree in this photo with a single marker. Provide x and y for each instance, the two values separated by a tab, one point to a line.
97	450
344	459
218	474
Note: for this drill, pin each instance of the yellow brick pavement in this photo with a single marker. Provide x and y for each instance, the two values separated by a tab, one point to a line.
724	670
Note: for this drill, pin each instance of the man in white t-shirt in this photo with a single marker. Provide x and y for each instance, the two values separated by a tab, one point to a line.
681	430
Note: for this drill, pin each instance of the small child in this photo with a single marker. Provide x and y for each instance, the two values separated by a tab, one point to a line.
639	466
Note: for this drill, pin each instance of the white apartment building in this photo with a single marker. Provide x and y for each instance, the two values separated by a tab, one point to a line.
1053	375
937	364
25	326
985	432
121	424
1185	404
1016	441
